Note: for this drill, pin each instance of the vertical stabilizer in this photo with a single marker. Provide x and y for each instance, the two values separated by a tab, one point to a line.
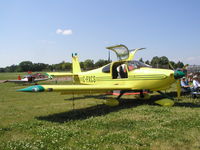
75	64
19	77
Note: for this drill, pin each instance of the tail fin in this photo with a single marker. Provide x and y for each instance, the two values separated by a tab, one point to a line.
75	64
19	77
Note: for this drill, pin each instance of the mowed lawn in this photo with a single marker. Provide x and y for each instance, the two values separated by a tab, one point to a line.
52	121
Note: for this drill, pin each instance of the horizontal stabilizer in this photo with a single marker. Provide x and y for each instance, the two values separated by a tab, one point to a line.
59	74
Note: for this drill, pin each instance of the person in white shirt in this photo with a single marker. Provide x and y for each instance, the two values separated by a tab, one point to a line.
122	72
196	83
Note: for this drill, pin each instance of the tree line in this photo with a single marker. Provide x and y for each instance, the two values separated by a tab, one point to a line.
24	66
163	62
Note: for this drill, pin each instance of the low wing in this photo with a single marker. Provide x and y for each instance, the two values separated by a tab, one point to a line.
16	81
26	81
75	89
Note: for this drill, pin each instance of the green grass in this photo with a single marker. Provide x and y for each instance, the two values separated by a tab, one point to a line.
48	121
7	76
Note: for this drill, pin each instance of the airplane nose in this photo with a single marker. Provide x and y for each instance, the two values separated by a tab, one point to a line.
36	88
178	74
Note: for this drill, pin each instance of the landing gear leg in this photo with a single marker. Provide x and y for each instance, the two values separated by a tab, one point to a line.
165	95
115	101
121	94
141	94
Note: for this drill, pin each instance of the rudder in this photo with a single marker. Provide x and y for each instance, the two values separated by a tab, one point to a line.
75	64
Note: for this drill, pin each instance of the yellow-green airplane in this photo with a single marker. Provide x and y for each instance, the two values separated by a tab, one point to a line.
125	75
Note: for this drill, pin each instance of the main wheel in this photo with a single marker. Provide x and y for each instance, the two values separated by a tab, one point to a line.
144	96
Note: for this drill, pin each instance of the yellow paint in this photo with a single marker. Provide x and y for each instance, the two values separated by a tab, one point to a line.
178	86
97	81
165	102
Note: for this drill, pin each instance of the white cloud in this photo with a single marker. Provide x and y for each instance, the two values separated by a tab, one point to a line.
67	32
64	32
59	31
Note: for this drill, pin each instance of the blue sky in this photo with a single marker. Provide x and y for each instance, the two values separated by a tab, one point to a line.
48	31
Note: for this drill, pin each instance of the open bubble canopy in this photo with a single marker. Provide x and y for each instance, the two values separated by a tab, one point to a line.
121	51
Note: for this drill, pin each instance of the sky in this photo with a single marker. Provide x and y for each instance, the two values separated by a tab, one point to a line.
49	31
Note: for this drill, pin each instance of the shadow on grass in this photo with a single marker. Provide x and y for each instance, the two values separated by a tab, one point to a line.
191	105
86	97
180	103
84	113
102	109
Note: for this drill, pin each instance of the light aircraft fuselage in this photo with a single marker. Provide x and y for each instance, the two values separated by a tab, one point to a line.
125	74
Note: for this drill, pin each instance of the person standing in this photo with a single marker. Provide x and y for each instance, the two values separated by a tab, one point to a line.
196	83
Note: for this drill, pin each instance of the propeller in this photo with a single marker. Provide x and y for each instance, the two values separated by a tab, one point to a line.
177	75
170	65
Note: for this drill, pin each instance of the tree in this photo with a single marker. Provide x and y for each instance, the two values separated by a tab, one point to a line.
26	66
63	66
147	62
155	61
160	62
88	64
68	66
164	60
179	64
82	65
100	63
39	66
12	68
173	65
141	60
58	67
2	69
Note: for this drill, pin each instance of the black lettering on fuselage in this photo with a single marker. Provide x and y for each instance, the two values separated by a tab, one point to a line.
91	79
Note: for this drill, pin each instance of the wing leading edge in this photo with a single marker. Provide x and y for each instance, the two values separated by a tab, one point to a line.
17	81
75	89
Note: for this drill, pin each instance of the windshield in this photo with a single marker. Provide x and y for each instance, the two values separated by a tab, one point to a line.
136	64
106	69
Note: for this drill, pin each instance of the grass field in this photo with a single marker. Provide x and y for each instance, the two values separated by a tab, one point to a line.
8	76
31	121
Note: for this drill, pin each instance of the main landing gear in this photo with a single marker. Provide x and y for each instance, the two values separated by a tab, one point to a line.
142	95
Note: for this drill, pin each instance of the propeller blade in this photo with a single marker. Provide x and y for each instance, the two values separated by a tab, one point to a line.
170	65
